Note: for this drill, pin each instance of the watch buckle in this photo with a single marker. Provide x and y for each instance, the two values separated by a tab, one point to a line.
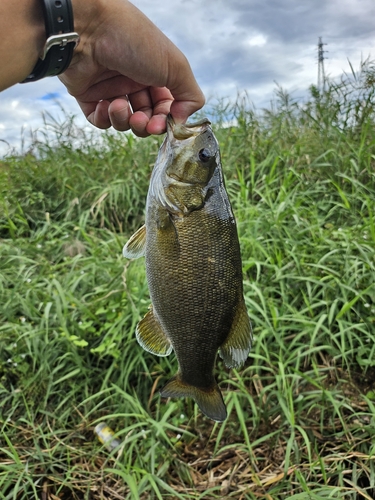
62	39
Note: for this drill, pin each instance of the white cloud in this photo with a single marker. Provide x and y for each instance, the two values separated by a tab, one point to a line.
22	108
257	40
242	45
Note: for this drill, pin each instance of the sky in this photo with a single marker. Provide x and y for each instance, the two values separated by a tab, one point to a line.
233	46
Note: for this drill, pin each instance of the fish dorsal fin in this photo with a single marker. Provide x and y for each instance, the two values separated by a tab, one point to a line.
135	247
235	349
151	336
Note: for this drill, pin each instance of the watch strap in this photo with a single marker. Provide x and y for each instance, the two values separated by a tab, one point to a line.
61	40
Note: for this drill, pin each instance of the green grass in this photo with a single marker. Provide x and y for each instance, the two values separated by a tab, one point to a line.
301	419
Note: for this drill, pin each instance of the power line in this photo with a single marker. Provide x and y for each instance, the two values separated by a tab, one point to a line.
321	73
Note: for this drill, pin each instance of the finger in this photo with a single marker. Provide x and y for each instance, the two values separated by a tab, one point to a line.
183	87
162	100
143	127
151	107
154	103
138	122
157	124
99	117
181	110
119	113
141	101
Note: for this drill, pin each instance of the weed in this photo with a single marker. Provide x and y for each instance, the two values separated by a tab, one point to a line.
301	412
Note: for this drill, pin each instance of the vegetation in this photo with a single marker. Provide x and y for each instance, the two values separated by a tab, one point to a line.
301	412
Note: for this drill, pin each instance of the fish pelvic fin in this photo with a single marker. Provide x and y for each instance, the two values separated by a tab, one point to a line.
209	400
136	245
151	336
236	347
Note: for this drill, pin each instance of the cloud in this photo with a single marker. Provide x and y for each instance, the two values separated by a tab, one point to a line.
232	46
23	110
250	44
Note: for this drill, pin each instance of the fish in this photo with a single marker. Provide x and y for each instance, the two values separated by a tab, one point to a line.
193	267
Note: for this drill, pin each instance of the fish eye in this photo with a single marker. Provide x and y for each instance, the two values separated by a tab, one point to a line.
204	155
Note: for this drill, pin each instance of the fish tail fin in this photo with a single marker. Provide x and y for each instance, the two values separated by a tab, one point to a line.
209	400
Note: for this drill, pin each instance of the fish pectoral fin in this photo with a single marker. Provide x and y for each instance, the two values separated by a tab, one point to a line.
136	245
151	335
236	347
209	400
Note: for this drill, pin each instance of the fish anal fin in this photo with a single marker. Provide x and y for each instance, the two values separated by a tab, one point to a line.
151	335
209	400
136	245
237	345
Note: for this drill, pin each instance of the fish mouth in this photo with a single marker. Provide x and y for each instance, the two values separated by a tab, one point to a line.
181	131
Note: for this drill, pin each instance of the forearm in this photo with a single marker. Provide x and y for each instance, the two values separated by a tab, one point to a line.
124	73
23	32
22	39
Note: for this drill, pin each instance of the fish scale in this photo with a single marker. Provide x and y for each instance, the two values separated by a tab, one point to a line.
193	267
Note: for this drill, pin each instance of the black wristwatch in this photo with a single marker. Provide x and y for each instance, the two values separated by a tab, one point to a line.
61	40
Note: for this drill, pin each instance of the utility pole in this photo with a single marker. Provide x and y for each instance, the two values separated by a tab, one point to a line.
321	74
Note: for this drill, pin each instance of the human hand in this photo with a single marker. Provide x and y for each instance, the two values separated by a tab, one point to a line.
125	73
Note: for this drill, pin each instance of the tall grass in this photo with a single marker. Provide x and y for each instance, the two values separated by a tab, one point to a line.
301	413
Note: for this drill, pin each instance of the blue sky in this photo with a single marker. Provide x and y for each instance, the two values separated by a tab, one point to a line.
241	45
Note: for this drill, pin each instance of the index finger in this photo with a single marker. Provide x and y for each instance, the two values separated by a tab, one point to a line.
150	107
187	95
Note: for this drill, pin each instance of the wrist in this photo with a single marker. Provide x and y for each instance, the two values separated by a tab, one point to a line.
22	27
61	40
88	15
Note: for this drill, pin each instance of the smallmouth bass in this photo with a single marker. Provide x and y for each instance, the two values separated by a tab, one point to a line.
193	267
